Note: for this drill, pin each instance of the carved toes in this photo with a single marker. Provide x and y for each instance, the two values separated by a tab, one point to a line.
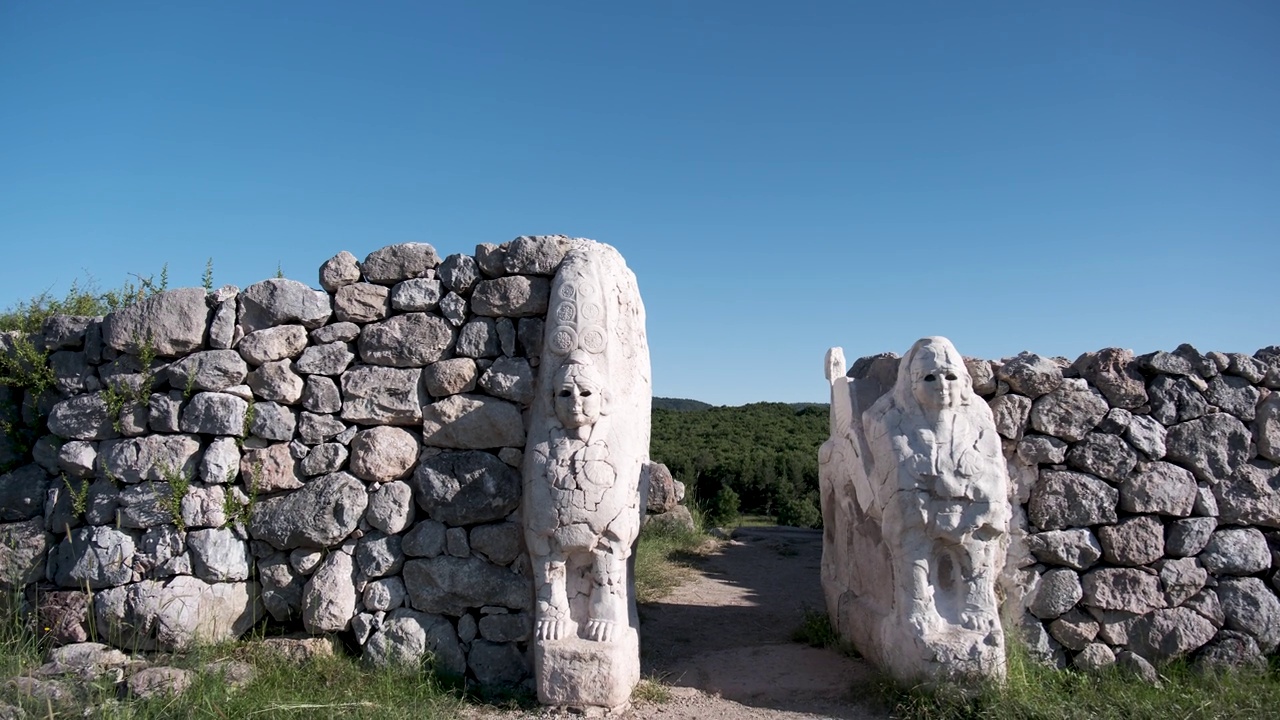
602	630
550	629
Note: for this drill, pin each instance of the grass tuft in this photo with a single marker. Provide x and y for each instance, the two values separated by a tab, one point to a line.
662	558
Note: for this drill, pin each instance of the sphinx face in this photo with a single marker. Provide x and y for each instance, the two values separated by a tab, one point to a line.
937	379
578	400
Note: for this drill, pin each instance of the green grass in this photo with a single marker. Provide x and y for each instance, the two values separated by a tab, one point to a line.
662	558
1035	692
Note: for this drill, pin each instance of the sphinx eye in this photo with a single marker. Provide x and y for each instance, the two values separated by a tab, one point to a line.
585	393
929	378
951	376
566	393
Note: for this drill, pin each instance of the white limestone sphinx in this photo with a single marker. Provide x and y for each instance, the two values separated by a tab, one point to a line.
586	452
916	516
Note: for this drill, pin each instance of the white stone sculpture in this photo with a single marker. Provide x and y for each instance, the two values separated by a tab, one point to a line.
587	449
916	513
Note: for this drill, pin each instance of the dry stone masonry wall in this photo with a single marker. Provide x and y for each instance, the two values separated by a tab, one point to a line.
1146	501
342	460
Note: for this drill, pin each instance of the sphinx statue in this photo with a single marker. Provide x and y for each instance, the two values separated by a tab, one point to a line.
585	458
916	512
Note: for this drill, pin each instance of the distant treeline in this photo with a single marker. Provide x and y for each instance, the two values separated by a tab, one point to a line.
760	458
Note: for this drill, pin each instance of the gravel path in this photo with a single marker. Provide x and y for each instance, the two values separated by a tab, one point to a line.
721	643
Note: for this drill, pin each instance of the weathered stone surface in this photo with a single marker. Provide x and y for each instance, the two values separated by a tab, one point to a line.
1188	537
1064	499
1170	633
276	381
1207	604
507	627
1211	447
1133	541
361	303
426	539
391	507
1206	504
176	615
321	514
339	270
529	335
1128	589
1030	374
65	332
63	616
1160	488
1148	435
72	373
1069	412
320	395
94	557
1104	455
535	254
459	273
152	458
384	594
1077	549
204	506
22	493
500	542
280	301
511	296
383	454
273	421
83	417
982	374
158	682
329	597
337	332
315	429
379	555
1234	395
509	379
77	458
450	585
1268	428
464	488
218	555
472	422
455	543
1011	412
172	323
1114	371
145	506
391	264
1042	449
1250	495
222	328
1075	630
213	413
1181	579
1228	651
164	412
1175	400
416	295
662	489
323	459
1059	591
489	259
450	377
1095	658
410	637
270	469
1236	551
454	309
1249	607
162	553
23	548
273	344
479	339
328	359
281	587
382	396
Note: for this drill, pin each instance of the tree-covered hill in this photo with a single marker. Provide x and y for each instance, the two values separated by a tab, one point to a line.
680	404
765	454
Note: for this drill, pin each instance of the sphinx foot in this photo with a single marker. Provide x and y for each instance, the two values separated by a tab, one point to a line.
550	629
602	630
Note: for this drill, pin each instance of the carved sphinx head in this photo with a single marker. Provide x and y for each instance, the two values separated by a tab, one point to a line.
937	376
579	395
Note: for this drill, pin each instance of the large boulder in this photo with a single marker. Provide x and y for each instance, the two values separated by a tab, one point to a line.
450	585
22	493
320	515
172	323
1064	499
382	395
178	614
1069	412
154	458
465	488
410	340
382	454
214	370
512	296
280	301
472	422
23	548
393	263
1211	447
409	637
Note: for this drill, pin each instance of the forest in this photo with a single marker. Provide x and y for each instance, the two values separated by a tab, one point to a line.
758	459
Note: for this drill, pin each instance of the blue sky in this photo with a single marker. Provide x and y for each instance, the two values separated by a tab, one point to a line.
783	177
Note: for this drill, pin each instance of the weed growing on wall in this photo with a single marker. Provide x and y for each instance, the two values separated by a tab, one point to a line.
179	482
79	496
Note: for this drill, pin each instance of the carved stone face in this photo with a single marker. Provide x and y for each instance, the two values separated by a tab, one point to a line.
579	400
937	380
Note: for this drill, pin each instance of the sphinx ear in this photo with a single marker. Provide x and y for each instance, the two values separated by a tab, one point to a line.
606	401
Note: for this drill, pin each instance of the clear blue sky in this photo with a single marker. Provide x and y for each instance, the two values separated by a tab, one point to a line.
783	177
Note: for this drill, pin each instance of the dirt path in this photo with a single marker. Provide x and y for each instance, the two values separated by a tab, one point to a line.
721	643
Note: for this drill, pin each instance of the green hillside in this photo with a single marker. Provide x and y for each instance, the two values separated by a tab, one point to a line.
765	454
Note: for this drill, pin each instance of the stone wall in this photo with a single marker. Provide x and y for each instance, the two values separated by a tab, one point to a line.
339	460
1146	498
